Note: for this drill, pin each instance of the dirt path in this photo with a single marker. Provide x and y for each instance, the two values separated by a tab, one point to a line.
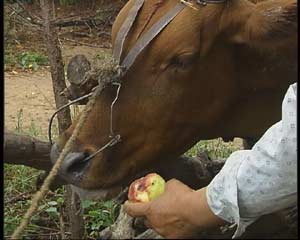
29	100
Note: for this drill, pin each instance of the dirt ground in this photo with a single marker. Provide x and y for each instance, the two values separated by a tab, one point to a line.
31	94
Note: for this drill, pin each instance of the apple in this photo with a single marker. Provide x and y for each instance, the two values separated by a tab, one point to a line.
147	188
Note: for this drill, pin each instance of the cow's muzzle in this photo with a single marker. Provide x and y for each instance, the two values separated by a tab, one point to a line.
74	166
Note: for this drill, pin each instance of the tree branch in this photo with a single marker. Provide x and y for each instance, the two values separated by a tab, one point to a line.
25	150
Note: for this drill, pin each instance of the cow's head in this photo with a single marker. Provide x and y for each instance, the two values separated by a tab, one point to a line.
220	71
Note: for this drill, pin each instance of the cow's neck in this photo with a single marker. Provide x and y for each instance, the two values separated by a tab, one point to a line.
262	80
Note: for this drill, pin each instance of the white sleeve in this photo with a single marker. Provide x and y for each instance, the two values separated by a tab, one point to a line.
263	180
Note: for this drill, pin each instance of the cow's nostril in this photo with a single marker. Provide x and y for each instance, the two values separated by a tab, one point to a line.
75	163
86	154
77	167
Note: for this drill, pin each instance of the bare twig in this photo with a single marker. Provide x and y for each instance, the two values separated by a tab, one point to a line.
87	44
19	197
90	29
37	235
31	21
62	226
82	34
30	14
53	10
103	33
121	198
28	24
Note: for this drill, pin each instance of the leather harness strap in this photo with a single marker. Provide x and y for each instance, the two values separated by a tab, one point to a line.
205	2
144	41
150	35
125	28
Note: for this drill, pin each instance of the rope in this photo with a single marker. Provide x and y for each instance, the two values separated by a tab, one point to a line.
44	189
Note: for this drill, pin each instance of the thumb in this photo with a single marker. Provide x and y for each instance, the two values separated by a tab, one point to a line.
136	209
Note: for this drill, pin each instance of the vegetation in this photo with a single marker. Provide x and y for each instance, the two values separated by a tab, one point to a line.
24	60
31	60
215	149
19	187
99	215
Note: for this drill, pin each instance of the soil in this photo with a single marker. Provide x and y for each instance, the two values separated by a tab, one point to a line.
29	99
31	92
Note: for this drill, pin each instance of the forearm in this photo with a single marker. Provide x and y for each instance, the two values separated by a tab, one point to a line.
256	182
198	211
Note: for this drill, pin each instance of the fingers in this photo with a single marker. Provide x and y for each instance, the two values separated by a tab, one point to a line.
136	209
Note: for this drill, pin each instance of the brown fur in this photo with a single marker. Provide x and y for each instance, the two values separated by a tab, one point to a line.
221	71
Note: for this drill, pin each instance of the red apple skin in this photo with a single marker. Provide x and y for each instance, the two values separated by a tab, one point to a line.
139	190
135	186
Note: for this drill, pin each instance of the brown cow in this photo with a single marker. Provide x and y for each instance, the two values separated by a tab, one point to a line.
221	71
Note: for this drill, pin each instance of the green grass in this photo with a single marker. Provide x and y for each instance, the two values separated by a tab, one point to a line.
31	60
26	60
20	186
9	59
215	148
102	57
99	215
34	129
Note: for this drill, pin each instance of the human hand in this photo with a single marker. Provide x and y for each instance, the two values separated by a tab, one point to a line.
178	213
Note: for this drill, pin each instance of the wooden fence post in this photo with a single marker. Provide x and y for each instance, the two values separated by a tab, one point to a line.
64	117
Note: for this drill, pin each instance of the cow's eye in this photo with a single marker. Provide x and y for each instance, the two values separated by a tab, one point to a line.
183	61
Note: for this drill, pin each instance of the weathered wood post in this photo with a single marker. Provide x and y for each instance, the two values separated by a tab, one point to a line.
64	117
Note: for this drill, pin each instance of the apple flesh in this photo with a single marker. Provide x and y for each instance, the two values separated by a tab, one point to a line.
147	188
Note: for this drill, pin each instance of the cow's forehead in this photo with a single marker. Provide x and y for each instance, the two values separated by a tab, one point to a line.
182	35
178	38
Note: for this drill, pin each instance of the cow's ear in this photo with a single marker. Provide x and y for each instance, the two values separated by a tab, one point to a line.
266	24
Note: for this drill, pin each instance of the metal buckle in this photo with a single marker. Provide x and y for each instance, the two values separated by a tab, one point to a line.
201	2
116	139
205	2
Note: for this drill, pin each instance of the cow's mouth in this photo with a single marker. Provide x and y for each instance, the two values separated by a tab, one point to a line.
74	166
73	170
98	194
